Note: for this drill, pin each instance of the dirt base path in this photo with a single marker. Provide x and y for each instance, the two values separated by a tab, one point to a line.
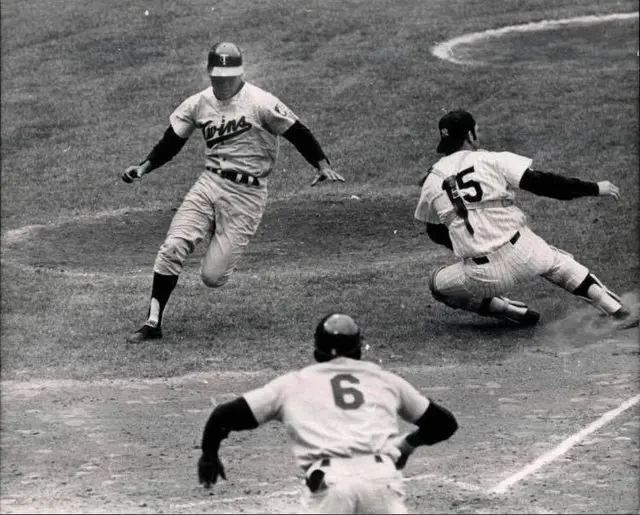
132	445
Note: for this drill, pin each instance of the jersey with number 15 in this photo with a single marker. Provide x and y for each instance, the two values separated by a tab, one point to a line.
343	408
472	193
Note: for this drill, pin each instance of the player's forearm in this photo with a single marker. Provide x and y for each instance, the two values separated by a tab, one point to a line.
556	186
165	150
235	415
305	142
436	425
439	234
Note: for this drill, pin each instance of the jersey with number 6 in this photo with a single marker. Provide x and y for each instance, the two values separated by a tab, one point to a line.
471	192
343	408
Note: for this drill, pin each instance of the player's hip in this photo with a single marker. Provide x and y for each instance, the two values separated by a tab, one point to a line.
369	466
525	255
216	190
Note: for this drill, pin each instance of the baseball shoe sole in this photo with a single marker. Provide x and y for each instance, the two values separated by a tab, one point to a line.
624	319
529	319
146	332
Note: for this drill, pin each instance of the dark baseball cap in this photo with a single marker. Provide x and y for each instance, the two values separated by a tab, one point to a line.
454	127
225	60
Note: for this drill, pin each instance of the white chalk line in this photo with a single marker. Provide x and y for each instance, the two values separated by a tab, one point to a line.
36	386
501	487
559	450
15	235
444	50
189	276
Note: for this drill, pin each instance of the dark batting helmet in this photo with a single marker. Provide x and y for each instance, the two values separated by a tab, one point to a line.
337	335
225	60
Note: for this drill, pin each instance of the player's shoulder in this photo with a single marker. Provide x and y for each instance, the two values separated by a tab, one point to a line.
254	91
392	377
285	382
342	365
507	154
436	171
202	94
198	97
425	176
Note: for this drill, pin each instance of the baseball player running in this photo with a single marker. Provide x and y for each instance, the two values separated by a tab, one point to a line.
241	125
467	202
341	415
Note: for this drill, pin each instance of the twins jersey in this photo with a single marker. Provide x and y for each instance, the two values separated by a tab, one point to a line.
241	133
341	408
471	192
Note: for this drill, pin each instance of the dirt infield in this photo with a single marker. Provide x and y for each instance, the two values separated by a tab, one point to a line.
131	446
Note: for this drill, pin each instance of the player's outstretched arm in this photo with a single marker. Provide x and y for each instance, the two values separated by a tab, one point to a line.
557	186
306	143
164	151
326	172
235	415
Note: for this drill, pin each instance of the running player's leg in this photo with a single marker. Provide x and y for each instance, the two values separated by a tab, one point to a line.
337	498
576	278
235	223
382	495
190	224
448	285
562	269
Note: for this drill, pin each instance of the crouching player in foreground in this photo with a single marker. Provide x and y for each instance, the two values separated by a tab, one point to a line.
342	416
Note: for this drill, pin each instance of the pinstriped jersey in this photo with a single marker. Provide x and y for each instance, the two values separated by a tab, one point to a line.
472	193
241	134
342	408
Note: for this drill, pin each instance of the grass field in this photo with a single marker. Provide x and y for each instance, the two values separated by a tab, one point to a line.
87	89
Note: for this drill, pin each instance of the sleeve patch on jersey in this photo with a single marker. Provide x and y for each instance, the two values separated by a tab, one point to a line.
280	108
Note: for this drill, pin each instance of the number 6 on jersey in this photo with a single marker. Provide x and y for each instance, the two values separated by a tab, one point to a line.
346	397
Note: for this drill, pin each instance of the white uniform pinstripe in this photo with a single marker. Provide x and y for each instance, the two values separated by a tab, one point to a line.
472	193
346	410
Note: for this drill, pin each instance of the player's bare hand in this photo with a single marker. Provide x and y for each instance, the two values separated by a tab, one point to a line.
132	173
327	173
209	468
608	189
406	450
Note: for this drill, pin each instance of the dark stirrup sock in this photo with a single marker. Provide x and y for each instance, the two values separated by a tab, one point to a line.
161	289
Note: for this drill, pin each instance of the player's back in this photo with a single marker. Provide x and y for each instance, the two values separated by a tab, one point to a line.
472	192
343	407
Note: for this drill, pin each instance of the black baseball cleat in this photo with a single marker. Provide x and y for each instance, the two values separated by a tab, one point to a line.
624	319
146	332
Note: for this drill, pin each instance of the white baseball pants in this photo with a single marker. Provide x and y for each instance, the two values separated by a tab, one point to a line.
466	283
362	484
233	210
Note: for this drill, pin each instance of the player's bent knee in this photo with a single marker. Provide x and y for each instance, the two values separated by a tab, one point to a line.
172	255
214	280
450	301
432	283
567	272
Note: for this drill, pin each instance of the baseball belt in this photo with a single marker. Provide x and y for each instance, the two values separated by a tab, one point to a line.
239	177
315	478
483	260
